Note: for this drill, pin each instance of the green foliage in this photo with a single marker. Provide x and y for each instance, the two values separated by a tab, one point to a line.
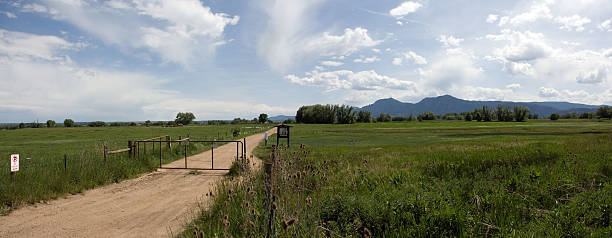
69	123
263	118
554	116
148	123
184	118
22	125
345	114
364	116
383	118
604	112
96	124
467	116
487	114
428	115
520	113
430	179
318	114
50	123
289	121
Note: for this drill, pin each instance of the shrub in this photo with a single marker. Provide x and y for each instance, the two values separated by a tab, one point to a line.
96	124
468	116
147	123
289	121
22	125
345	114
604	112
554	116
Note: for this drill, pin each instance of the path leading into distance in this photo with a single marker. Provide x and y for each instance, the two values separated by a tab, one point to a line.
156	204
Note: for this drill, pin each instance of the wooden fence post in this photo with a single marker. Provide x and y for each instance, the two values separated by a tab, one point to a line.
168	141
105	151
65	163
130	147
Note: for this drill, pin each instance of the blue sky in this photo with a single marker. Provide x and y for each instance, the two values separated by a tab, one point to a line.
121	60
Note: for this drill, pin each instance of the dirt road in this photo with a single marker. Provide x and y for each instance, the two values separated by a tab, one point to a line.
156	204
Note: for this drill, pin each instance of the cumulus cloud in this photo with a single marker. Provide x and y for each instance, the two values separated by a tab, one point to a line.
286	40
521	46
592	77
513	86
405	8
8	14
536	12
548	92
454	68
574	22
346	79
605	25
417	59
449	41
492	18
179	32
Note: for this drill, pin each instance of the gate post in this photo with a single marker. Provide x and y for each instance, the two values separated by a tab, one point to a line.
130	149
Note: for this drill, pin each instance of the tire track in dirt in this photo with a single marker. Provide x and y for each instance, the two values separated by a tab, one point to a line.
156	204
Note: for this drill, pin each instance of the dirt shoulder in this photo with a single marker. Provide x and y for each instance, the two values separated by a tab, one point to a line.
156	204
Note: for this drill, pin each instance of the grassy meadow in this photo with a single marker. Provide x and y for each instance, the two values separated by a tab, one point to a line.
42	177
426	179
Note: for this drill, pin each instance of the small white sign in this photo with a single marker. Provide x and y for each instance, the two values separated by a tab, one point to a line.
14	162
185	142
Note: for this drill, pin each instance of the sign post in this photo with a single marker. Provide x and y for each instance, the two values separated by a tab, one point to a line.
282	131
14	165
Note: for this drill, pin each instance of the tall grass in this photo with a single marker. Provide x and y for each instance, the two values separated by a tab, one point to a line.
438	179
44	177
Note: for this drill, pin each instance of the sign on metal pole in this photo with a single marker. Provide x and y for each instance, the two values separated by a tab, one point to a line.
185	142
14	162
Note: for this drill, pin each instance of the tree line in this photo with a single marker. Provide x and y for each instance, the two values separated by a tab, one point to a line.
344	114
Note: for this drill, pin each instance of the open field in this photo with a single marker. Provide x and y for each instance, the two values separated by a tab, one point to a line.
427	179
43	176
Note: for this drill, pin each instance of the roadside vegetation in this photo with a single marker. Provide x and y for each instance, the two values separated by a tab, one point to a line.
42	175
429	179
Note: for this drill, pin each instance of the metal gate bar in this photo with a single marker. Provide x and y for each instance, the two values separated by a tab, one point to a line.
243	150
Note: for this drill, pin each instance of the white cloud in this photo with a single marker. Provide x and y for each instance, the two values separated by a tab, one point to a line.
518	68
376	50
346	79
592	77
285	42
180	32
522	46
513	86
367	60
332	63
449	41
574	22
482	93
492	18
605	25
608	53
417	59
536	12
405	8
18	45
399	23
397	61
9	14
548	92
454	68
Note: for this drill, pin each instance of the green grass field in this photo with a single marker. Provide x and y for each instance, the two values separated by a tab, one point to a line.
427	179
43	177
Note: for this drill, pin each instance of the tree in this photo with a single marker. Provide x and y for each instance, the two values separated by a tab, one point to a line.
428	115
22	125
68	123
383	118
345	114
487	115
468	116
604	112
364	116
288	121
476	115
554	116
520	113
96	124
263	118
184	118
50	123
148	123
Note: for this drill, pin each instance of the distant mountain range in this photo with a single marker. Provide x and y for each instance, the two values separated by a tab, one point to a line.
448	104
